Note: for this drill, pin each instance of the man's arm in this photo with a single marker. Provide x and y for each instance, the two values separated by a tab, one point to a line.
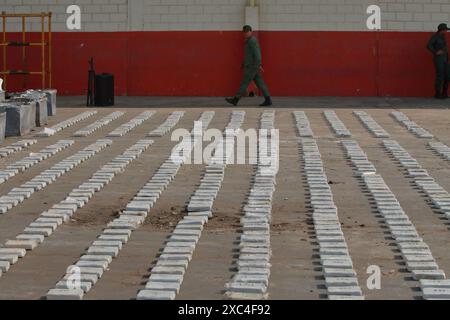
256	52
430	45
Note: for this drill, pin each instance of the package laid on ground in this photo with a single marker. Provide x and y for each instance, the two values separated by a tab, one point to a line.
47	132
20	117
2	125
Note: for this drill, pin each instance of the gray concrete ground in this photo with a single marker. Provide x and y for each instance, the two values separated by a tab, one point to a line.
295	273
279	102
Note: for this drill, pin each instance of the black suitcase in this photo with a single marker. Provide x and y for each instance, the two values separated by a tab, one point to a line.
104	90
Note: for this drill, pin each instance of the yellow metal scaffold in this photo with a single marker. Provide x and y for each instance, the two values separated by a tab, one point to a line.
44	44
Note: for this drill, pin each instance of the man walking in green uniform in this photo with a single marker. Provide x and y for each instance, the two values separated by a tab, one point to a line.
438	46
252	66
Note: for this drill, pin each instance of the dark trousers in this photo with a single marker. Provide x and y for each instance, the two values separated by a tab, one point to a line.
252	74
442	75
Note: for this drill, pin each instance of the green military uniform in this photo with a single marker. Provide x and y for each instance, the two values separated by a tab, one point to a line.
438	42
251	65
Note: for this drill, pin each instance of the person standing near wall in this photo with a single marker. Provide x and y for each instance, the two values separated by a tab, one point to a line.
438	46
253	70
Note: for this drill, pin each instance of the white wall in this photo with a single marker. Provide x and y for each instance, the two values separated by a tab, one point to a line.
339	15
97	15
397	15
194	14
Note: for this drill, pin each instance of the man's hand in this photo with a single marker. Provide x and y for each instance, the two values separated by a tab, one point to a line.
261	69
439	52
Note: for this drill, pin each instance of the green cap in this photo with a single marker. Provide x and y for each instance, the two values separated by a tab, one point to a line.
247	28
443	26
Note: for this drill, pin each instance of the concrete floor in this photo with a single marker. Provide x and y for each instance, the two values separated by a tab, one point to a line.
295	273
279	102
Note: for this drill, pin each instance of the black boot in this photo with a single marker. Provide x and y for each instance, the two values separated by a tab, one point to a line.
267	102
234	101
445	93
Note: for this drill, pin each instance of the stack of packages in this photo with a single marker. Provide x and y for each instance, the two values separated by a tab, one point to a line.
2	113
28	109
2	93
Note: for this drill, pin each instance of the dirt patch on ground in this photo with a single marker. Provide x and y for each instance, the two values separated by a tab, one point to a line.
165	219
95	218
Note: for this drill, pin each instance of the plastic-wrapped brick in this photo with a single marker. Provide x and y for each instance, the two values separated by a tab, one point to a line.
2	125
20	118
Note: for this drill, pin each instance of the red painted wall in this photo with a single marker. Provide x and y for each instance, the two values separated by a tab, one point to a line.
207	63
405	65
